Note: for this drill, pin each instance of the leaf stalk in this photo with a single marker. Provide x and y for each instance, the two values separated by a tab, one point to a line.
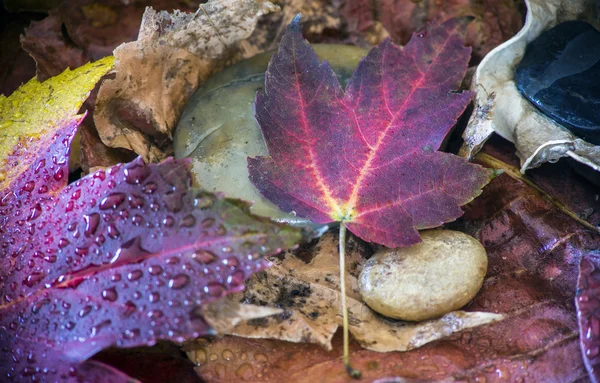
355	374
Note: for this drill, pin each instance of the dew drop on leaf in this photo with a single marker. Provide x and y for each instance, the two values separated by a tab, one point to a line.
112	201
188	221
91	223
136	173
110	294
179	281
135	275
149	188
214	289
204	257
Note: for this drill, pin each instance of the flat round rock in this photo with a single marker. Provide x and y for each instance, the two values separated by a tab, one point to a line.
560	74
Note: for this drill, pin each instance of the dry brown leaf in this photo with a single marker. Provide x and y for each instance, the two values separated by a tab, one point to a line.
223	315
309	295
500	108
158	73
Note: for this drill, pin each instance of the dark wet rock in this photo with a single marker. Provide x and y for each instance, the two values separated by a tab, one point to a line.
560	74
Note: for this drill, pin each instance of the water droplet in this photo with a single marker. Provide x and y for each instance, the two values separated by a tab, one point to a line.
213	357
261	358
155	314
112	231
85	311
70	206
188	221
110	294
200	357
214	289
81	251
149	188
63	242
244	371
51	258
168	221
172	261
42	189
179	281
204	201
135	275
208	222
236	279
130	252
91	223
231	261
130	334
112	201
136	173
99	240
136	202
204	257
154	297
69	325
137	220
222	230
29	186
227	355
97	328
33	278
35	212
59	175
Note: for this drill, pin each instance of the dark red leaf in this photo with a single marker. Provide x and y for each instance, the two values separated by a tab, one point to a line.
367	156
124	256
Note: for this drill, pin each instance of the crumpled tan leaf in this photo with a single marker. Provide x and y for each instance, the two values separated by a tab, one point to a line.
309	295
158	73
500	108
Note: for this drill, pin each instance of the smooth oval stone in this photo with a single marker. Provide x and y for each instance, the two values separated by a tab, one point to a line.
218	129
426	280
560	74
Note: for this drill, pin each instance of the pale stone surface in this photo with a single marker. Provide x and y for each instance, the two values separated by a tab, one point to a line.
426	280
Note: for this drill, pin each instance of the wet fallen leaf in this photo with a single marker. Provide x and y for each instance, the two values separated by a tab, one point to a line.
534	249
500	108
157	74
124	256
495	20
308	292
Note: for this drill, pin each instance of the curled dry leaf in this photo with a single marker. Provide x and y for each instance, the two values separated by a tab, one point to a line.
500	108
156	75
495	20
533	248
309	294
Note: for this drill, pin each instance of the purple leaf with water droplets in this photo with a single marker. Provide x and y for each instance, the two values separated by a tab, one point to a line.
124	256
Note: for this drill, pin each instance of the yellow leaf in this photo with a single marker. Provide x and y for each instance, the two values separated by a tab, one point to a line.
36	110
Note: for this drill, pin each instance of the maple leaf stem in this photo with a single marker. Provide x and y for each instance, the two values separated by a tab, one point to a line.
351	371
